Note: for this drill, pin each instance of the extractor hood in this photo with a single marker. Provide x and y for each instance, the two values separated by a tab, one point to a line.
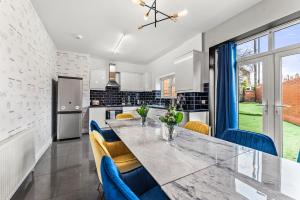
112	76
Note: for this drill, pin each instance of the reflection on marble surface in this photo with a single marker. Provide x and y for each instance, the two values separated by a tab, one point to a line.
168	161
252	175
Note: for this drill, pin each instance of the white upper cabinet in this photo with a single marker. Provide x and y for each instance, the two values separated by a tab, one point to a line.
188	72
131	81
148	81
98	79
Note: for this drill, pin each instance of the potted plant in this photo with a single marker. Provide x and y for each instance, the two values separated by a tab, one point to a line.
143	112
171	119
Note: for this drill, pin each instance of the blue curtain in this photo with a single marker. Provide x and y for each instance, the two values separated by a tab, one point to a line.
227	114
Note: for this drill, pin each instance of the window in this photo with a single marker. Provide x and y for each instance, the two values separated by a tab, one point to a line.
252	47
287	36
270	41
168	87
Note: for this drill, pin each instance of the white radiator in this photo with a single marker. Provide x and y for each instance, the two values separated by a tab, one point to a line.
17	159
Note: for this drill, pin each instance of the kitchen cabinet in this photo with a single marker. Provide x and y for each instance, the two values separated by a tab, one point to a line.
98	115
130	108
131	81
98	79
188	72
147	77
199	116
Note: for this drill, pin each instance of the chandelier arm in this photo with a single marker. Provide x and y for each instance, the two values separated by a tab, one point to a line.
158	11
150	8
160	20
155	14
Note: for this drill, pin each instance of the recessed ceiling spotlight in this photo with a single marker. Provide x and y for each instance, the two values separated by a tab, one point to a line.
78	37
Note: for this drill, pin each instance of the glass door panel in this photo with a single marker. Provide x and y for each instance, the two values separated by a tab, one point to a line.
250	97
255	99
288	103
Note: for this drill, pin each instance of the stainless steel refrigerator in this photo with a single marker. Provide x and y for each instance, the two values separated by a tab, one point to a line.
69	107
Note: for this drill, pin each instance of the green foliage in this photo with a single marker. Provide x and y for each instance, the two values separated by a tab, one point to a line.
244	84
143	110
251	119
172	117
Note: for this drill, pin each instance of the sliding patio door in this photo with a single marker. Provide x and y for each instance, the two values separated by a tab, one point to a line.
256	95
287	103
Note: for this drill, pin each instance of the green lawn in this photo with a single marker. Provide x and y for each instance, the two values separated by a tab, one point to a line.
250	118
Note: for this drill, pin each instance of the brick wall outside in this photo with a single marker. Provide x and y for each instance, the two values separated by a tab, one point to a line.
291	97
258	92
249	96
253	96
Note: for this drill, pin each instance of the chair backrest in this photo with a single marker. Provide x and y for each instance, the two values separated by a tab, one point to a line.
125	116
298	160
249	139
113	185
99	150
197	126
95	127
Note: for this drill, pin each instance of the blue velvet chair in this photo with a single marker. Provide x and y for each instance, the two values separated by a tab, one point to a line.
108	135
298	160
252	140
134	185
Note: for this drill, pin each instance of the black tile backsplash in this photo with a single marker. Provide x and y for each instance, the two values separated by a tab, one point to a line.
188	100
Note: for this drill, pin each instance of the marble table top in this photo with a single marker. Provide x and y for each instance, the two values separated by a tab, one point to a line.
252	175
166	161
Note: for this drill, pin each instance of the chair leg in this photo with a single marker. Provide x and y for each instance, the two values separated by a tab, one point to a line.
101	191
102	196
99	187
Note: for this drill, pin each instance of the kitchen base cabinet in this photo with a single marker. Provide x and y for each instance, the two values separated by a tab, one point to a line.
98	115
199	116
131	110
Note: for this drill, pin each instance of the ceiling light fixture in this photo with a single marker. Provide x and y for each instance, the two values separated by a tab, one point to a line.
119	44
153	8
139	2
78	37
146	16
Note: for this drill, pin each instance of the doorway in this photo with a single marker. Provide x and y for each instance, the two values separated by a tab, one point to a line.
269	99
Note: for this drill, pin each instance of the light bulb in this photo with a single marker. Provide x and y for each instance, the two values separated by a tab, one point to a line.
138	2
146	17
182	13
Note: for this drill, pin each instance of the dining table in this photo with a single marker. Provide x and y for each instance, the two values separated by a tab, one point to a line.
196	166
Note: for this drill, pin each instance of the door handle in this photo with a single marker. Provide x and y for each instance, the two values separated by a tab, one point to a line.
265	107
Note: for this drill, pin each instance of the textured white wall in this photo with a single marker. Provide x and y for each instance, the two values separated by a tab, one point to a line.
27	65
77	65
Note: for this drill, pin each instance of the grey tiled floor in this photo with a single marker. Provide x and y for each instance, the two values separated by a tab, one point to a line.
66	171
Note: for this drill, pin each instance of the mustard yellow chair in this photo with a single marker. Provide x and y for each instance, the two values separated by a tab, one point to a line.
197	127
123	158
125	116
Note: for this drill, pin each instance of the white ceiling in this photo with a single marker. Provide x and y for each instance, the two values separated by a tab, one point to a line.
101	23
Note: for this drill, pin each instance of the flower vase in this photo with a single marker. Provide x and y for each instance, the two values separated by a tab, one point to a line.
171	133
144	121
